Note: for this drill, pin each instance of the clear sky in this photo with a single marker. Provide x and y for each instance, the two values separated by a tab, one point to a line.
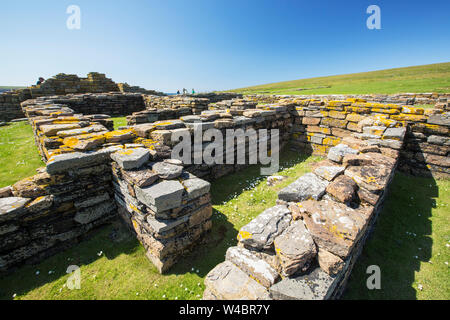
214	44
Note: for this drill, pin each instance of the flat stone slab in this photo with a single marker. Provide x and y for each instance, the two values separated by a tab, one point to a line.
64	162
10	206
316	285
252	265
440	119
129	159
329	172
141	178
295	248
395	133
196	187
227	282
166	170
262	231
342	189
372	178
161	196
337	153
306	187
334	226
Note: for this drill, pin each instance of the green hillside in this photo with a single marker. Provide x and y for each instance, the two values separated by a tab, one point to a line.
426	78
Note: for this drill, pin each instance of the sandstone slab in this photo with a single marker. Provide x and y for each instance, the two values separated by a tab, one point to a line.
262	231
162	196
129	159
306	187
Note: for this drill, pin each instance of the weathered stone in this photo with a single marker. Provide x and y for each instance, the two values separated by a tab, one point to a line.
440	119
393	144
333	226
439	140
64	162
51	129
395	134
316	285
228	282
196	187
295	248
330	263
166	170
92	201
141	178
357	160
6	192
40	204
337	153
93	213
342	189
306	187
253	266
162	196
11	206
329	172
129	159
262	231
372	178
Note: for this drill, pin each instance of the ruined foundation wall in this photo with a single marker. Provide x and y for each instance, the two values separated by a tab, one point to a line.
305	247
63	84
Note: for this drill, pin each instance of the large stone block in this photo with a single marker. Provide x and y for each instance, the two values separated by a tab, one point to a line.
161	196
306	187
261	231
316	285
252	265
129	159
333	226
337	153
295	248
12	206
227	282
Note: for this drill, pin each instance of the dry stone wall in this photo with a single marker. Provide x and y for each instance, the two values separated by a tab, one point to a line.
63	84
304	248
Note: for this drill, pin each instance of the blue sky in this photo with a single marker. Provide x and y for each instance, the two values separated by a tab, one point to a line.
215	44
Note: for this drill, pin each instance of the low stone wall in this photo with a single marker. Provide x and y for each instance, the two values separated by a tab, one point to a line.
167	208
112	104
274	117
320	125
400	98
304	248
197	105
63	84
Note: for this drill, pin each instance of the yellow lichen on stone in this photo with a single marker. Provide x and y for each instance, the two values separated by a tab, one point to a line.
244	235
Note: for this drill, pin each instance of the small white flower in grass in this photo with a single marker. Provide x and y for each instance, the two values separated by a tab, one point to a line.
156	284
137	293
37	272
446	263
420	287
176	298
14	295
447	245
164	296
100	253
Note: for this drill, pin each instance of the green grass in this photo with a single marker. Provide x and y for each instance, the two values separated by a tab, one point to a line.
119	122
426	78
18	153
411	243
123	272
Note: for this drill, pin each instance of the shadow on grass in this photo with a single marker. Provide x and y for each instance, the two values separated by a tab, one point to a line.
400	242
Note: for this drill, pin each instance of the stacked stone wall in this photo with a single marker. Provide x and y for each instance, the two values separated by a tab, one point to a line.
304	248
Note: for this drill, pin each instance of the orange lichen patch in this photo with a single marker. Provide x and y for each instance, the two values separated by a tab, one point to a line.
330	141
244	235
411	110
409	117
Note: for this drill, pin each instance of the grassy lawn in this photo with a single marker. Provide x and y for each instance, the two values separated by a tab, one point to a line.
411	243
121	271
119	122
427	78
19	157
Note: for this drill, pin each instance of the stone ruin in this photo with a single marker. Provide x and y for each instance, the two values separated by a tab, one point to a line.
302	248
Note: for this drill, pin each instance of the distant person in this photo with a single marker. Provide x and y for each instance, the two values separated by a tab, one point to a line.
40	81
184	91
193	91
178	92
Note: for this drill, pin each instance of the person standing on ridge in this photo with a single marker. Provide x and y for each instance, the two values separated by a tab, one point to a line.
193	91
178	92
40	81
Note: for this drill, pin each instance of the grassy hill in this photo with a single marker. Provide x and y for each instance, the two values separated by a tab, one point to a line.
426	78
